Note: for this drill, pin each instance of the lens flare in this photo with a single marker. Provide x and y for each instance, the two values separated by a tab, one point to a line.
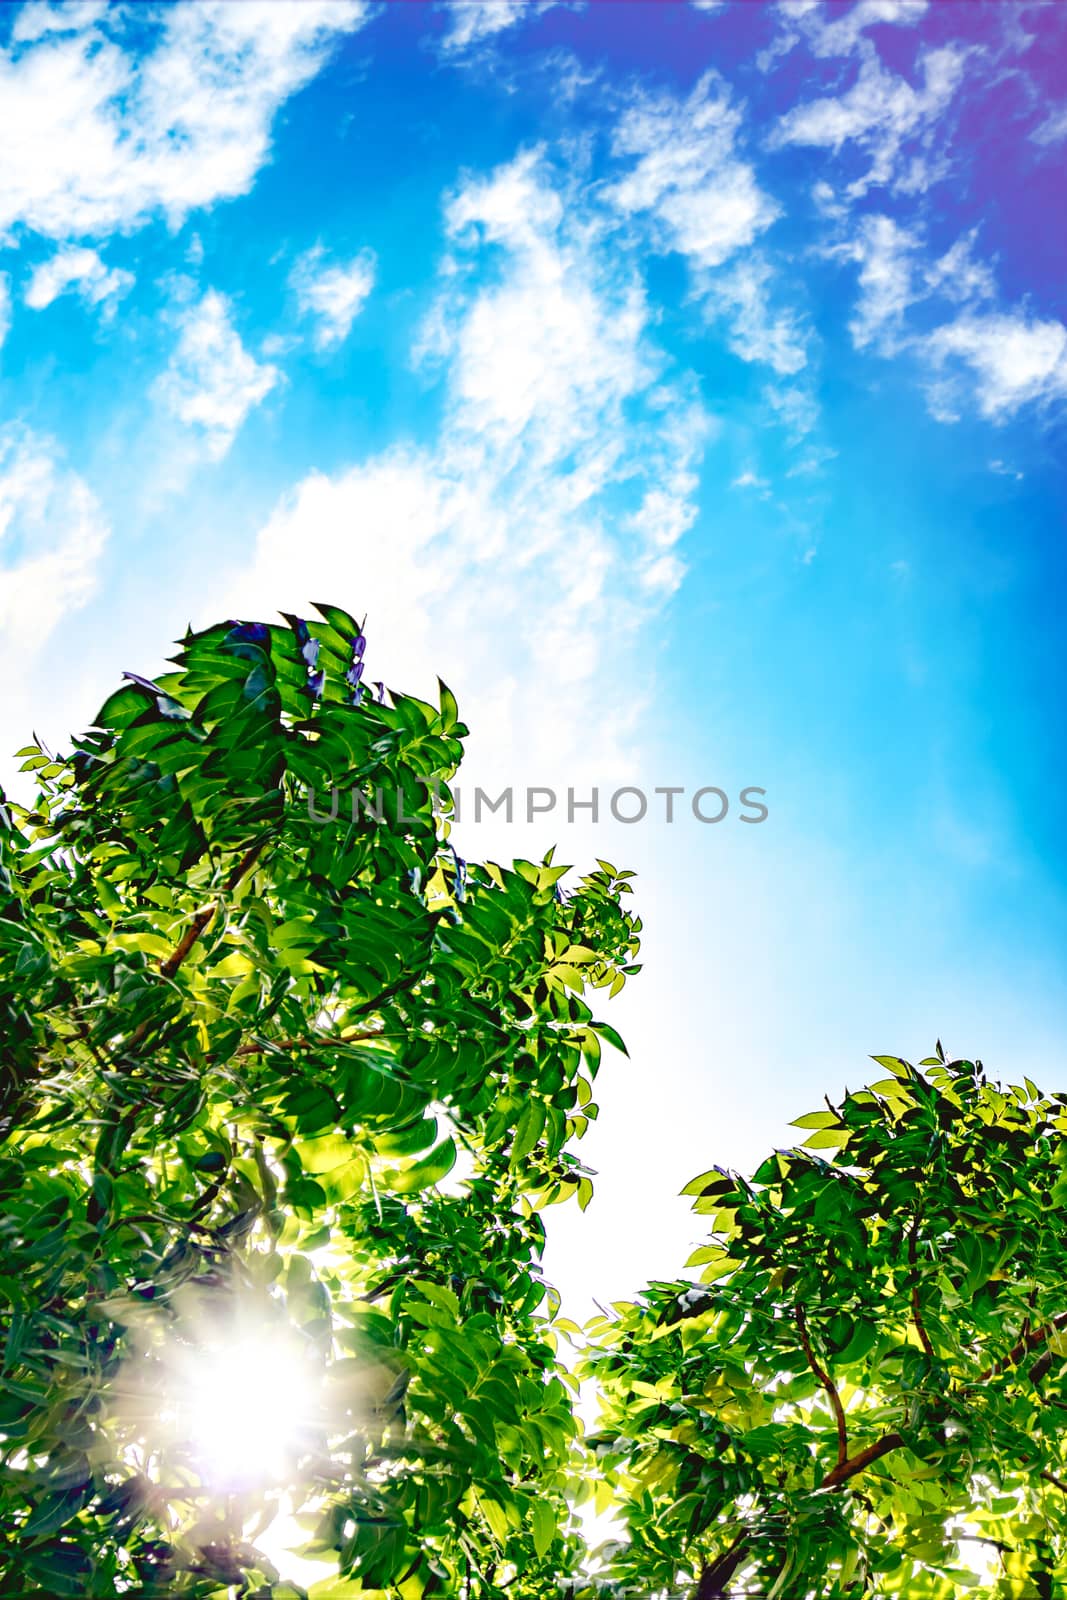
220	1389
243	1407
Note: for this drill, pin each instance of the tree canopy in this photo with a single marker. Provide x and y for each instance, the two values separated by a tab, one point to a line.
242	1050
865	1393
285	1088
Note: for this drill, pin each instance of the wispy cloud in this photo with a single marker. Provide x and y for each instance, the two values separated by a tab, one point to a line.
995	359
538	357
883	114
885	252
474	22
758	332
1052	129
95	136
835	31
1013	359
795	407
701	195
79	268
37	21
52	535
559	490
332	293
212	381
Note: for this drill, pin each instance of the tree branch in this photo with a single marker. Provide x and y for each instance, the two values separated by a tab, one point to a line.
863	1458
1028	1342
828	1384
713	1579
192	933
261	1047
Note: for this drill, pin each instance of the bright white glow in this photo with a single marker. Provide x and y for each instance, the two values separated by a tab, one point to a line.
243	1408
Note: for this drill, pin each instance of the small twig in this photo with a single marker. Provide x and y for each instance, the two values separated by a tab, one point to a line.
261	1047
202	919
1029	1341
828	1384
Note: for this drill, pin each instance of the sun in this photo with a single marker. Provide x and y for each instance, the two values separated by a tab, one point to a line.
234	1395
245	1409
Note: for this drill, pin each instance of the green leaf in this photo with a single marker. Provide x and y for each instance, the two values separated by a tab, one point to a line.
422	1174
893	1064
544	1527
606	1031
529	1129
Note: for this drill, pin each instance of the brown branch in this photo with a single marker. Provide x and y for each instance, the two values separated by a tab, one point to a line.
192	933
916	1309
1058	1483
828	1384
713	1579
1028	1342
863	1458
261	1047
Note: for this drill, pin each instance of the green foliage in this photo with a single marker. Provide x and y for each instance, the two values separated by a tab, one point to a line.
318	1079
243	1051
872	1366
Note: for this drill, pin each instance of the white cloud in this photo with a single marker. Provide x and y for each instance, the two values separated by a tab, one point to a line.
881	113
5	306
1014	359
999	359
703	198
1052	129
895	274
333	294
757	333
472	22
846	29
557	494
886	254
35	21
212	382
52	535
831	30
958	275
95	137
795	408
749	480
540	355
81	267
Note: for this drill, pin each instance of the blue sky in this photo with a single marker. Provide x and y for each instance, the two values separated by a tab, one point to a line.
684	383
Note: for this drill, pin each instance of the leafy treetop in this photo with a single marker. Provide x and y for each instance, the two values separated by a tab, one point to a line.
322	1079
865	1392
242	1052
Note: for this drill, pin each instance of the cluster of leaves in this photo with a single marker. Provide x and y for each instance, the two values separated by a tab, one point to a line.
242	1052
865	1393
